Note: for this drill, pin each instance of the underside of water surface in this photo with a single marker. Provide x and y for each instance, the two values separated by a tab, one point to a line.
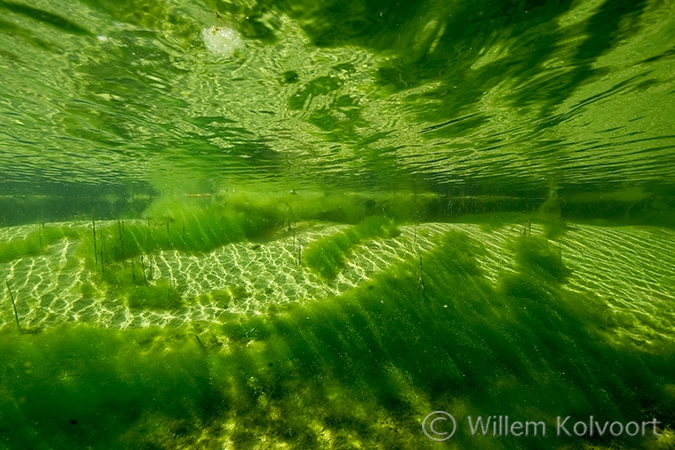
314	225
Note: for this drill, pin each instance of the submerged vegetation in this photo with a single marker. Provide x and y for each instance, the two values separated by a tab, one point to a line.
34	243
358	370
355	371
328	255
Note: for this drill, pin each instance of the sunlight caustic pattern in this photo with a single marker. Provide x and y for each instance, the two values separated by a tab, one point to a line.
627	268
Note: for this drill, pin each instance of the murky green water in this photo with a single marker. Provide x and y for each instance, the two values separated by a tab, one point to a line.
295	224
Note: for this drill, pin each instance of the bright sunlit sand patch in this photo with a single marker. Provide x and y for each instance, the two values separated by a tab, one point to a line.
54	285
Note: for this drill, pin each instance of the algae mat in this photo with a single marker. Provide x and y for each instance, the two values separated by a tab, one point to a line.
257	344
629	270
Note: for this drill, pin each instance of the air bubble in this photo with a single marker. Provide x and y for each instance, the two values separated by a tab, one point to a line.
222	41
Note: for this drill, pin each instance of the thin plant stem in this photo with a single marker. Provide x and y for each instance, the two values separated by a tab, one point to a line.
16	313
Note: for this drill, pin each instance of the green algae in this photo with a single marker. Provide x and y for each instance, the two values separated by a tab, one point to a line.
328	255
517	348
34	243
116	251
538	257
197	225
99	384
413	339
221	297
358	370
162	295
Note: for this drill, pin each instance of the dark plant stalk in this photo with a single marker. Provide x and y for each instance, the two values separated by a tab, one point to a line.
143	269
119	225
16	313
200	342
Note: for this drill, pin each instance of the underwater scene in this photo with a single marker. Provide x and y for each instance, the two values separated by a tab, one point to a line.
337	224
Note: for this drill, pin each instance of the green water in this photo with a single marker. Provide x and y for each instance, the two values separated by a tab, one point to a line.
309	225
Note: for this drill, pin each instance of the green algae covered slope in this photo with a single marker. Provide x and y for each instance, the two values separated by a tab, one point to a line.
447	323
